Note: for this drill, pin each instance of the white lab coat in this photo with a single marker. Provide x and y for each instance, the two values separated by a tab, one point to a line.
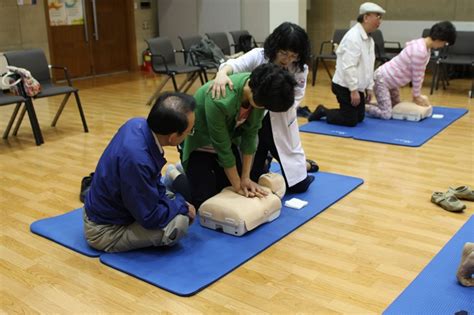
284	125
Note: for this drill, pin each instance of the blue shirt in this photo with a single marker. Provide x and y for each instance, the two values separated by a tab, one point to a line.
126	186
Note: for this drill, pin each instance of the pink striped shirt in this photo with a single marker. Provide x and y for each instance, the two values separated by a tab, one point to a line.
407	66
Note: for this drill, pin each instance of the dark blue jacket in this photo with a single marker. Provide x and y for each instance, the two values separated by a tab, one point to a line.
126	186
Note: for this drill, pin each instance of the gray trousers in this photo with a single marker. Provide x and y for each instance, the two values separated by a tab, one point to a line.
119	238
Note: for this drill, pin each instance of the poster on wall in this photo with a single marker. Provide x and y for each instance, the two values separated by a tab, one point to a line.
65	12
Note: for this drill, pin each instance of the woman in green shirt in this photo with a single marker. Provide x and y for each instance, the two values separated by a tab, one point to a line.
220	151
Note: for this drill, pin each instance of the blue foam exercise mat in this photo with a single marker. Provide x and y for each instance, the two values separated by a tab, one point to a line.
67	230
436	290
203	256
398	132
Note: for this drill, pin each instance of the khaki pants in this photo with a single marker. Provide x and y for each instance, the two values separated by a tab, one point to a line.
119	238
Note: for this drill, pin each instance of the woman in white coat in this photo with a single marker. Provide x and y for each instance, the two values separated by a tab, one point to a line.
288	47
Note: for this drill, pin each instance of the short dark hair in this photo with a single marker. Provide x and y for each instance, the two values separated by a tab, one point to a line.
360	18
170	112
272	87
444	31
288	36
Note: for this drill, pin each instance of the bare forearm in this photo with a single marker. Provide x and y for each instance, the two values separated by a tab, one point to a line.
247	160
233	177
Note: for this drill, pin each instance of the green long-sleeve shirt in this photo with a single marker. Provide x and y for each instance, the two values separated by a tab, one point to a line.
215	123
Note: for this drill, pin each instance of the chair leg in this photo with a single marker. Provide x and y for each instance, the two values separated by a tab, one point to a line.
204	72
174	83
34	122
157	91
433	79
201	76
81	112
446	77
189	76
20	119
441	74
12	119
315	70
327	69
191	82
60	109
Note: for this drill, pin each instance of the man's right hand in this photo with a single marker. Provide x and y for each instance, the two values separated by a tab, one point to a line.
191	213
218	86
355	98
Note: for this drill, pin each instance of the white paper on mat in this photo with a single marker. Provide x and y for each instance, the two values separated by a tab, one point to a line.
295	203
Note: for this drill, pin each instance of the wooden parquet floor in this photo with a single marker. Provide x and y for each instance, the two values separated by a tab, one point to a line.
356	257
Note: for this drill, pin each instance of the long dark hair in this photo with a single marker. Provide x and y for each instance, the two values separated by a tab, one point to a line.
288	36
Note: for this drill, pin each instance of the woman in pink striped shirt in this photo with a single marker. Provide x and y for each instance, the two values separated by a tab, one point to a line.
408	66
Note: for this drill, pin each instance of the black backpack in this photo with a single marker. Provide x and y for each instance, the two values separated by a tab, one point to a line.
245	43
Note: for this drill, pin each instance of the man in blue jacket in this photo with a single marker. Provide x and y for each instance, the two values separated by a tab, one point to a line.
127	206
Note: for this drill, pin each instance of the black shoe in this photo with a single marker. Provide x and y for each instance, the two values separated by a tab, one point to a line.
85	186
303	111
313	166
319	112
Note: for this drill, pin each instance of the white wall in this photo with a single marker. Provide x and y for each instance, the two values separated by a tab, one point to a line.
404	31
259	17
284	11
218	16
175	18
192	17
255	18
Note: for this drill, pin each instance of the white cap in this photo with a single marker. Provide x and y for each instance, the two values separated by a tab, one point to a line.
370	7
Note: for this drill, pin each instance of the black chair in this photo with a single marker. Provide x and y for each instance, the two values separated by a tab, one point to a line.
330	53
10	100
34	60
381	55
187	42
221	40
239	37
163	61
459	54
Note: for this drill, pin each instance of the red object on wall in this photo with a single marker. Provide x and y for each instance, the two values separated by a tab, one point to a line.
146	66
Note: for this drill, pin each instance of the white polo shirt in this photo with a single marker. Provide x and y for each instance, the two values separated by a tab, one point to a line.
355	60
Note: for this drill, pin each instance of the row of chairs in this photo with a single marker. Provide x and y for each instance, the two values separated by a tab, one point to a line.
163	58
34	60
461	54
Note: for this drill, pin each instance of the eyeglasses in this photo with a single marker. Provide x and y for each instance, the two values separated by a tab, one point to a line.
191	133
290	55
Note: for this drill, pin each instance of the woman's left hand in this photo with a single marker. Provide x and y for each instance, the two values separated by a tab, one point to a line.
251	189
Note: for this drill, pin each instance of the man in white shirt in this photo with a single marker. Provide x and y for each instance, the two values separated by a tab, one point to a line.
353	81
